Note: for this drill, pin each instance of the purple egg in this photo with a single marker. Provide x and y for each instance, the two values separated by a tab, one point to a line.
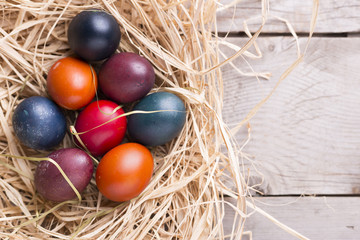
126	77
76	164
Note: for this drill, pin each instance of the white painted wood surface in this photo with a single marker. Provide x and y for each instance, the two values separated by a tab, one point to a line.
317	218
306	138
335	16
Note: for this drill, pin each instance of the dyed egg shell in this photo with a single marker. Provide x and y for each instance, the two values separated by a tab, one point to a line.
94	35
100	139
72	83
124	172
152	129
76	164
126	77
39	123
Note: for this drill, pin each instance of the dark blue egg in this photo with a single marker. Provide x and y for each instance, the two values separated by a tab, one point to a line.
39	123
152	129
94	35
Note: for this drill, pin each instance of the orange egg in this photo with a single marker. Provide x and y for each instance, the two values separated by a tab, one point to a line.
124	172
72	83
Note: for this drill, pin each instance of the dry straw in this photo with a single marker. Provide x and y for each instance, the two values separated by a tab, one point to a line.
185	199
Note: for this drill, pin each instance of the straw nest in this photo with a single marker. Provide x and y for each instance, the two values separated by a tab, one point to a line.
185	199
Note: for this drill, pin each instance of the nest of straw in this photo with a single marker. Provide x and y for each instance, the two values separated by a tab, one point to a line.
185	198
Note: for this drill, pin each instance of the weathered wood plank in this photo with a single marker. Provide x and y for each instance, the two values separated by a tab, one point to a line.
335	16
316	218
306	138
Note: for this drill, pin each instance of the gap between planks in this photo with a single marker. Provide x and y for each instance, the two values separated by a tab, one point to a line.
285	34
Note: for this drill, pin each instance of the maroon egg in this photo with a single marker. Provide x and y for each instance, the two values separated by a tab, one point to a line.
100	139
126	77
76	164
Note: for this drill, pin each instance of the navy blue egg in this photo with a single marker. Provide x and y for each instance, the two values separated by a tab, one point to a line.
153	129
39	123
94	35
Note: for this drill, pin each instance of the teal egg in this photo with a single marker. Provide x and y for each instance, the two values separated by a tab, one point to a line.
153	129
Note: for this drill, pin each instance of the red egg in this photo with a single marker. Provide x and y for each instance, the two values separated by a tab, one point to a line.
99	138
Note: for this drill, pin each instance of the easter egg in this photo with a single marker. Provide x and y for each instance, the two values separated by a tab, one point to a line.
124	172
100	126
51	184
152	129
39	123
126	77
72	83
94	35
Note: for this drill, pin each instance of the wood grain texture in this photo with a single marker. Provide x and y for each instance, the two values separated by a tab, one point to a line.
317	218
335	16
306	138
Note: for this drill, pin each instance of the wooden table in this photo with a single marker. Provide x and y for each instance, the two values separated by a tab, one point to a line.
306	139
